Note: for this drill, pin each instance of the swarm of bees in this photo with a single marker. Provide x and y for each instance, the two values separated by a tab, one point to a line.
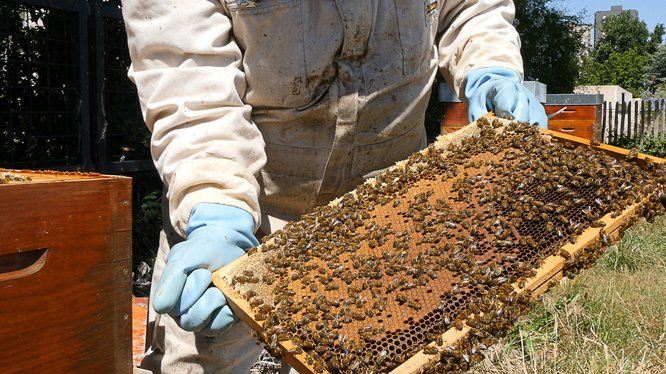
6	178
437	243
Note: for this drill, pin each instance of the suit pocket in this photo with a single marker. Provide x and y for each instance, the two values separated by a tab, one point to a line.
270	34
416	20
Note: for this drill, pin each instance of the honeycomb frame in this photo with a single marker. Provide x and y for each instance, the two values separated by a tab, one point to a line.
552	268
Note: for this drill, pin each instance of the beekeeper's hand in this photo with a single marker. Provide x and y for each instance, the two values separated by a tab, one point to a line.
501	91
216	235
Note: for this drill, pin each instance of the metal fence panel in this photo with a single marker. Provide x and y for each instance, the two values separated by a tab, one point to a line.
43	90
65	99
123	139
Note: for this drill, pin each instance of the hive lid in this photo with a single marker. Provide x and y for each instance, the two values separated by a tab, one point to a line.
574	99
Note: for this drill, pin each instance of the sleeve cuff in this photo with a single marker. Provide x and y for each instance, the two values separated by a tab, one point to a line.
211	181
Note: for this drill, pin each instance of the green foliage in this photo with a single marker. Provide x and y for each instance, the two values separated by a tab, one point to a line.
659	90
623	56
622	33
149	212
657	37
551	44
652	145
655	145
625	69
656	72
146	226
658	63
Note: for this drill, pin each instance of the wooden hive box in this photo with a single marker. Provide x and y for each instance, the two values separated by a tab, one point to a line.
454	117
579	115
65	272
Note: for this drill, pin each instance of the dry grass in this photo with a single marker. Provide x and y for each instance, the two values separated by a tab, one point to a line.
609	319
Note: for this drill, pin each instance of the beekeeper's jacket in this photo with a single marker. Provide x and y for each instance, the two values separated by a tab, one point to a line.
284	104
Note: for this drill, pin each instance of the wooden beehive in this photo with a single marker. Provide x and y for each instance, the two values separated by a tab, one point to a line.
583	121
65	272
400	333
454	117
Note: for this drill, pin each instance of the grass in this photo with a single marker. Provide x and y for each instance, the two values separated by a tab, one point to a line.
609	319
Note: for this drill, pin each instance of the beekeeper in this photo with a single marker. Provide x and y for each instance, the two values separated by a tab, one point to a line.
261	110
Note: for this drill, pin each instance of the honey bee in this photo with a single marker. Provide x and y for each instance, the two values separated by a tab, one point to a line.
633	154
564	253
430	350
256	302
598	224
414	304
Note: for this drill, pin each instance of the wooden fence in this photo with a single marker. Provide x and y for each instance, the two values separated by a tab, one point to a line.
633	120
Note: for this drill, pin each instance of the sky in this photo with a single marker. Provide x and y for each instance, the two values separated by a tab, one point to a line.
650	11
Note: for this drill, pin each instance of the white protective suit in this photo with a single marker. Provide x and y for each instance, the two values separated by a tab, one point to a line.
286	104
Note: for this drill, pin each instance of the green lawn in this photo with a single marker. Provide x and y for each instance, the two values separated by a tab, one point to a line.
609	319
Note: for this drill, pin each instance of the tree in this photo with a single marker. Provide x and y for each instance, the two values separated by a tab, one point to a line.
551	44
657	37
656	72
622	32
622	56
625	69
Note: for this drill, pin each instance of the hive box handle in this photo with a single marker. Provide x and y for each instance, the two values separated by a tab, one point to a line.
22	264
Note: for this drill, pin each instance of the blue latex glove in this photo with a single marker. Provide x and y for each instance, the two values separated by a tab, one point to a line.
216	235
501	91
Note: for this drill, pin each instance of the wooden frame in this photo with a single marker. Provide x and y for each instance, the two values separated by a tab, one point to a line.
551	270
